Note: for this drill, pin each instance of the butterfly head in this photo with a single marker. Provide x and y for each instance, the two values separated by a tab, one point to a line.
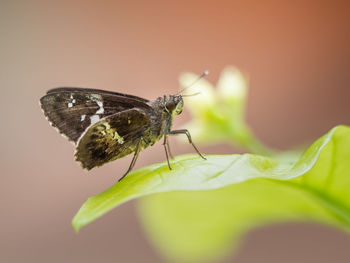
174	104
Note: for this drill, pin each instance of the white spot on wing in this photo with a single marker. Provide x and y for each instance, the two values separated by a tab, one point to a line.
70	104
82	117
101	110
98	99
94	119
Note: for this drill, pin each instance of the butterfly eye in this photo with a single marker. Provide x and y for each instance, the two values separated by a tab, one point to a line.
170	106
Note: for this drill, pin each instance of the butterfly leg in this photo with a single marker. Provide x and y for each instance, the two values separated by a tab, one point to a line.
133	161
166	147
184	131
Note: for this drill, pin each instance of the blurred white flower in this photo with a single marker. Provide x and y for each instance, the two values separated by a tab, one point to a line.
232	85
218	115
206	93
230	93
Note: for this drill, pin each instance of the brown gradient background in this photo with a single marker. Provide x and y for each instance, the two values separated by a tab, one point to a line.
296	53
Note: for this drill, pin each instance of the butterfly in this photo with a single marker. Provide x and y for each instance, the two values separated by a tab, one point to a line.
105	126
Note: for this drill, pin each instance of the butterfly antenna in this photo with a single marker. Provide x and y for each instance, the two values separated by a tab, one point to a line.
203	75
190	95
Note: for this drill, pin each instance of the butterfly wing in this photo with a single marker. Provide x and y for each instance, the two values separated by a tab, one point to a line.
98	91
112	138
73	110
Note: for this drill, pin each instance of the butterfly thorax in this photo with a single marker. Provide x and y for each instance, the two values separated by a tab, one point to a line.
161	117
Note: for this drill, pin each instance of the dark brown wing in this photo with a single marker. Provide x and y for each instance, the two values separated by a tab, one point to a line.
72	110
111	138
98	91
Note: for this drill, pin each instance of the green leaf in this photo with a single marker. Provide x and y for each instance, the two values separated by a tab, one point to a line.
204	225
197	225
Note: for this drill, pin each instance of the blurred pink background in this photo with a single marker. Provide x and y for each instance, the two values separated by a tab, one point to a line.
297	55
